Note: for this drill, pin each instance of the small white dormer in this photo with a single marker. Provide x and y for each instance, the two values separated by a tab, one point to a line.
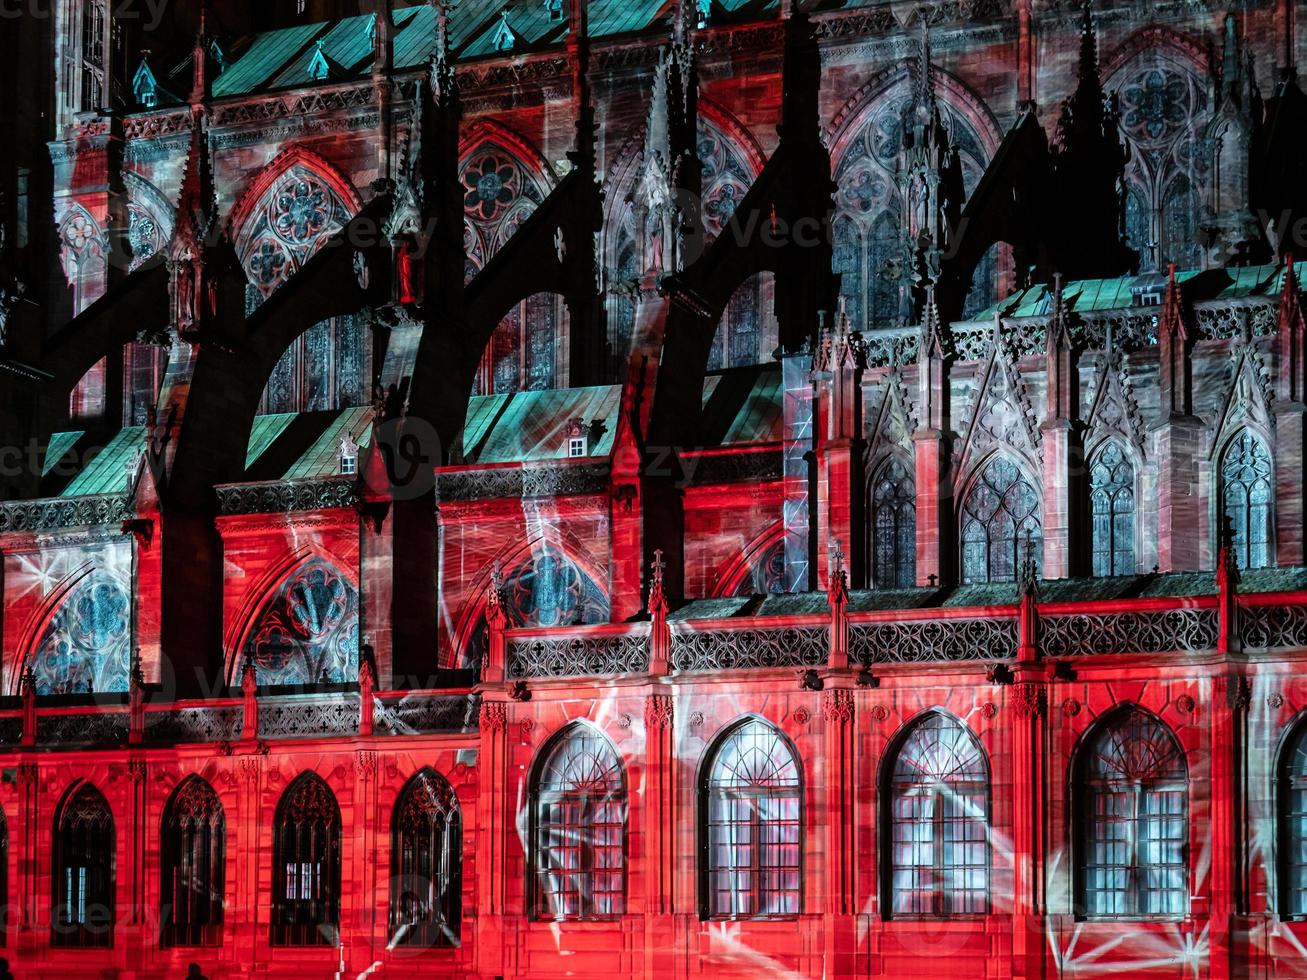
578	439
349	456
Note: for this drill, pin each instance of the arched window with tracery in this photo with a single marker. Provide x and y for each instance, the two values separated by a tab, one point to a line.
543	588
426	860
1291	836
750	805
84	862
1162	100
193	843
747	332
86	648
578	832
893	527
1130	818
290	217
936	821
500	191
766	574
1000	524
306	865
1112	509
869	211
308	632
1246	495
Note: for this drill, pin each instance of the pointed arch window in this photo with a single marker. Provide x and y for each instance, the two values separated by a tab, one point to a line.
1132	820
870	207
1112	506
84	863
306	865
193	842
747	333
894	527
500	193
86	648
1000	524
308	632
750	805
1292	834
426	863
1246	496
936	822
578	810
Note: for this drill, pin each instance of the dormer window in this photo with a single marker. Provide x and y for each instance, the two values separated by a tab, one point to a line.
349	457
503	38
555	8
578	439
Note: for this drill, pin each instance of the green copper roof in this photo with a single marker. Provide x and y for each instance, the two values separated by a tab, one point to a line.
742	405
280	59
60	443
1086	295
322	459
532	425
107	472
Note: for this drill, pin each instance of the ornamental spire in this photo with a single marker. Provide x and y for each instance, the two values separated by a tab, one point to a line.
657	593
578	51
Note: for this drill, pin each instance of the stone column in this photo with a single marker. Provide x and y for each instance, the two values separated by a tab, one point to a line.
494	825
659	805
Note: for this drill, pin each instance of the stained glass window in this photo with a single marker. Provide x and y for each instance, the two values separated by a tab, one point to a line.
306	865
87	645
748	332
544	588
1132	820
426	863
298	213
1112	505
938	821
193	843
869	232
1292	837
83	871
767	574
323	369
1246	498
750	805
894	527
1000	524
1161	102
308	633
500	192
143	367
579	828
521	352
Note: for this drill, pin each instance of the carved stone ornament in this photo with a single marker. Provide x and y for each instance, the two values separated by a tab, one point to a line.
658	711
1070	707
1275	701
988	710
1029	700
526	726
880	712
801	716
837	706
1185	704
494	718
